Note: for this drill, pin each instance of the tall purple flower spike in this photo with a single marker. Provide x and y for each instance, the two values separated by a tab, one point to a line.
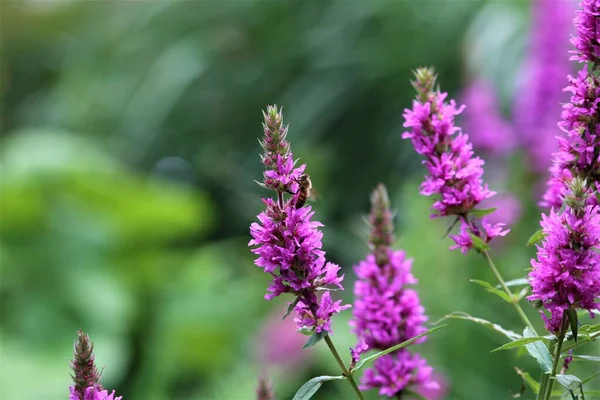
455	173
386	311
286	239
566	273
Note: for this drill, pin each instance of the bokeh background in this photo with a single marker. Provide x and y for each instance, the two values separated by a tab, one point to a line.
128	160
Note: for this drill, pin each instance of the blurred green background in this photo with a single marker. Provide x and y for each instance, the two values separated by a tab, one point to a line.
128	160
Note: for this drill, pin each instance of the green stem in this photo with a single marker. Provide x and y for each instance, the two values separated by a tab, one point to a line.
561	337
543	385
345	371
507	290
544	378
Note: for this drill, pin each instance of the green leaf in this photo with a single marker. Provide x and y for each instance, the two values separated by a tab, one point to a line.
478	244
374	357
493	290
536	237
514	282
291	307
539	351
589	378
315	338
519	343
587	329
490	325
572	383
482	212
532	383
583	357
307	390
572	315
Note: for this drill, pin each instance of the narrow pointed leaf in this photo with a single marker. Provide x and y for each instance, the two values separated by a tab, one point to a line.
314	339
374	357
589	378
572	315
539	351
583	357
307	390
451	227
519	343
536	237
589	329
490	325
291	307
482	212
492	289
514	282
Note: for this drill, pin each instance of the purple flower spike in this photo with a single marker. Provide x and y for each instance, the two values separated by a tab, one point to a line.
587	39
490	132
386	312
542	79
286	239
455	174
566	273
85	375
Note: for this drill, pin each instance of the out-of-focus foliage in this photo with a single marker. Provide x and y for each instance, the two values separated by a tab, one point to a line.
128	160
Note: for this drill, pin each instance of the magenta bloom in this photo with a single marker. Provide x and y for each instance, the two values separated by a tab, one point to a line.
488	129
394	372
566	273
93	393
546	67
324	311
455	173
587	23
286	240
386	311
486	231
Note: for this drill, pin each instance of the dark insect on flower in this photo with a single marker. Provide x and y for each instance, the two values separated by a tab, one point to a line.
304	190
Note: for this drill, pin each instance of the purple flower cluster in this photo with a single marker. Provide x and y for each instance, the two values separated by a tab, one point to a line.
489	131
455	174
93	393
540	94
386	312
394	372
286	240
566	274
587	39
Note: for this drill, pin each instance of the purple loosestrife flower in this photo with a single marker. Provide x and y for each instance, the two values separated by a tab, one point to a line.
587	23
490	133
85	375
566	273
541	94
455	174
386	312
286	240
94	393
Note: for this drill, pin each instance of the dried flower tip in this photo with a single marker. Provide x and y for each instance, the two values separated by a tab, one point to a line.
382	233
424	82
85	373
